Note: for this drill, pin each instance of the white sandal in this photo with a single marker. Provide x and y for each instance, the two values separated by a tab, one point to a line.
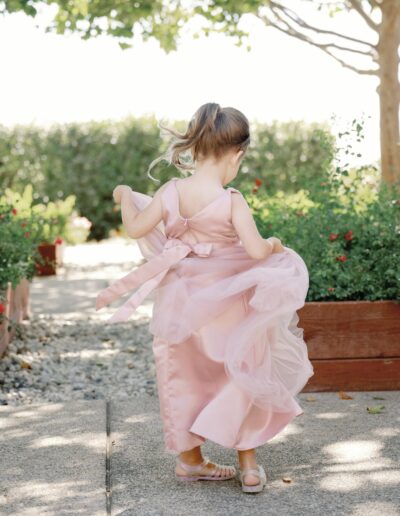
196	468
260	472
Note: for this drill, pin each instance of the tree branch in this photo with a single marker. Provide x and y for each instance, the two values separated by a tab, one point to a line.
294	33
321	45
305	25
357	6
374	3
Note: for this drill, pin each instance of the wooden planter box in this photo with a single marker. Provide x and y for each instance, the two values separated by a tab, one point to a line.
17	309
4	333
53	257
352	345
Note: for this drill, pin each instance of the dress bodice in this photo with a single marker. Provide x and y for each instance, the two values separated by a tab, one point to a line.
213	223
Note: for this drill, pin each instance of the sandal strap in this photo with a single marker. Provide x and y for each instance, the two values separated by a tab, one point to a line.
247	471
219	467
193	467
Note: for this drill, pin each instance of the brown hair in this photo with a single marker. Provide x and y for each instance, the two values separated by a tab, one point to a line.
212	131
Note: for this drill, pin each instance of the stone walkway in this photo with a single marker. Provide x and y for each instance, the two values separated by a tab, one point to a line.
81	431
66	352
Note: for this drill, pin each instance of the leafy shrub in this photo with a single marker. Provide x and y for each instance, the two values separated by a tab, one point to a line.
51	218
88	160
19	237
347	231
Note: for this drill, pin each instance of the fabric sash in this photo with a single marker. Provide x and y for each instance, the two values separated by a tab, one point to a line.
148	276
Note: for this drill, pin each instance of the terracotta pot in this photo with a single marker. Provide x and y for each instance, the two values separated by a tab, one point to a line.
53	255
353	345
4	324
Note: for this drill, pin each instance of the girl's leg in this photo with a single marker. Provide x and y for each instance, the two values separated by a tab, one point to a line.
247	459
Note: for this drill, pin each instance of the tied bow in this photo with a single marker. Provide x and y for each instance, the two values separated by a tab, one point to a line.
199	248
148	276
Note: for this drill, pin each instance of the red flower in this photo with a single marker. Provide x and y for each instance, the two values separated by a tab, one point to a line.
58	240
333	236
26	234
331	289
349	235
24	224
14	211
258	182
341	258
2	308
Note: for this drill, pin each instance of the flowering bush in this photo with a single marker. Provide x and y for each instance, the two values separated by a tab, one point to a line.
18	249
347	230
51	218
22	228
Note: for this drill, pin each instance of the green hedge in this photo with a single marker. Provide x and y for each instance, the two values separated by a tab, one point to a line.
348	234
89	159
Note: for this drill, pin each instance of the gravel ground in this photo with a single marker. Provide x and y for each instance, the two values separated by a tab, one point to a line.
66	351
59	358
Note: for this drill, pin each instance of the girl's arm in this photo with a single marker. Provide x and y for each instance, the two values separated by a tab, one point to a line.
256	246
138	222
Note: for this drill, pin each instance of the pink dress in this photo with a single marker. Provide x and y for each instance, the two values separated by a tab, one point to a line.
230	358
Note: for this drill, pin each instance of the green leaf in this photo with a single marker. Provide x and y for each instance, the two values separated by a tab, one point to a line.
376	409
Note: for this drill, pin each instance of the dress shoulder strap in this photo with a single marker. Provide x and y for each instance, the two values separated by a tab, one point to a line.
234	190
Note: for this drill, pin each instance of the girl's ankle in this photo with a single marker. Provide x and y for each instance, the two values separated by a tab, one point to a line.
191	458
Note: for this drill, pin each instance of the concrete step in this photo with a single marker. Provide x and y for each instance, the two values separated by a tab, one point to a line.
339	460
52	459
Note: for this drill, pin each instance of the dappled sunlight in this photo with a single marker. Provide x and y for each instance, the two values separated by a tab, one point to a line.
38	497
341	482
374	508
362	465
354	451
89	440
363	457
49	492
139	418
90	353
386	432
56	460
331	415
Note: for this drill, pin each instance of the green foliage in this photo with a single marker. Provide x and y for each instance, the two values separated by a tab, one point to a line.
19	237
164	20
51	217
120	19
347	230
89	160
288	155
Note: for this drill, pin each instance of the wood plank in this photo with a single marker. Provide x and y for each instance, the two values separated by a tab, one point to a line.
368	374
351	329
5	338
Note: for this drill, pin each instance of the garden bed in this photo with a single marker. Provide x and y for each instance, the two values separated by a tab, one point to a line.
353	345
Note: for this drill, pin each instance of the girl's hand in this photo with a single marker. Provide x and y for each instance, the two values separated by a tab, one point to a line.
118	191
278	247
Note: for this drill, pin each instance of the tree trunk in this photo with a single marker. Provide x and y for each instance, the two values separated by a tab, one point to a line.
389	41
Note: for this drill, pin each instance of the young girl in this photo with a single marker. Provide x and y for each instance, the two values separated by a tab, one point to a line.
230	358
